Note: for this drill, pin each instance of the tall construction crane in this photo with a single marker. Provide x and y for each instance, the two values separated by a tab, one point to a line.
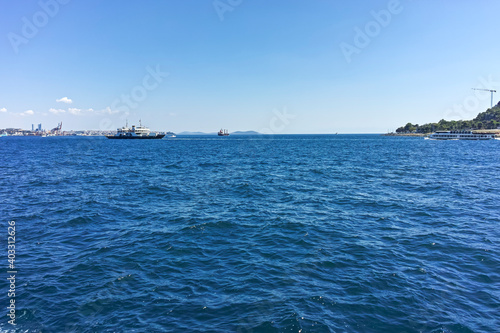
491	91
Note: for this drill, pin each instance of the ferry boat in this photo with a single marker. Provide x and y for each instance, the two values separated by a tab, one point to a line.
461	135
223	133
136	132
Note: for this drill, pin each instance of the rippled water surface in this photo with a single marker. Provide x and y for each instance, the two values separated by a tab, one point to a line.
341	233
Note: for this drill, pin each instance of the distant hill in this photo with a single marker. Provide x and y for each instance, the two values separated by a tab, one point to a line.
245	133
232	133
489	119
195	133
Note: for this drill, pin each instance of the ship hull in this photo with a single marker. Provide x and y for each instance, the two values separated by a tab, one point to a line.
124	137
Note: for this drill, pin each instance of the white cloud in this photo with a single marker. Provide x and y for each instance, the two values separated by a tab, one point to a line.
27	113
108	110
64	100
56	111
172	114
3	110
74	111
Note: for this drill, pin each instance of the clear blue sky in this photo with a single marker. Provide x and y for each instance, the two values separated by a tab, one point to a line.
237	64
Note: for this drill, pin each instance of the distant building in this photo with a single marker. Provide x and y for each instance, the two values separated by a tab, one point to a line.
11	131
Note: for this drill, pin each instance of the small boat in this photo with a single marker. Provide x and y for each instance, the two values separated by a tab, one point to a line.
136	132
223	132
461	135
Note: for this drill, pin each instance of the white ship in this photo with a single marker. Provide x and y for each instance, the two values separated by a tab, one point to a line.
136	132
461	135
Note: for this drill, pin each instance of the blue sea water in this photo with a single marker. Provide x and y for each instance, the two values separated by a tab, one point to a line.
285	233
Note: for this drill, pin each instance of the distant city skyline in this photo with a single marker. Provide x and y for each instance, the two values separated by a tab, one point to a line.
283	67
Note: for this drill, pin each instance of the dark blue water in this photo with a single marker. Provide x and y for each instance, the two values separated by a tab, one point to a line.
346	233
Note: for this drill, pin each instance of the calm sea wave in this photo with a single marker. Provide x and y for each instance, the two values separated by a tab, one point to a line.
291	233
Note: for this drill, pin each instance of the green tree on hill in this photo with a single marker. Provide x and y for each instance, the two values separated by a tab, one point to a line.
489	119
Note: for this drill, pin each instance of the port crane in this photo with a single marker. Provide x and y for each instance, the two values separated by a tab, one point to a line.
491	91
58	128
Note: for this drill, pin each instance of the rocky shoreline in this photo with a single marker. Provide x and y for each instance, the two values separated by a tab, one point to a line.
405	134
489	131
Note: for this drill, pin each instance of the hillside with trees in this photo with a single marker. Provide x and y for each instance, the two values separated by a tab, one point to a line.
489	119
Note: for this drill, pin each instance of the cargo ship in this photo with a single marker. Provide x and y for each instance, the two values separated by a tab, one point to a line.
223	132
